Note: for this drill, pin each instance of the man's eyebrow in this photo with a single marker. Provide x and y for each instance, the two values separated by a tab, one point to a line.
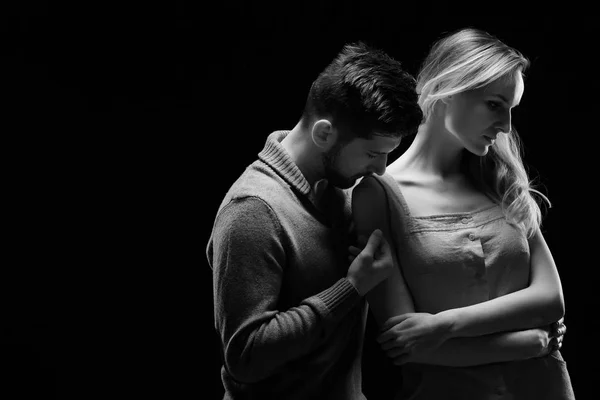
383	152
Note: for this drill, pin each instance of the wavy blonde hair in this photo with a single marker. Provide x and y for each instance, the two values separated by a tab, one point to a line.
469	59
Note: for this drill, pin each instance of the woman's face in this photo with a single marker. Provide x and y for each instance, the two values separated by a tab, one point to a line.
476	117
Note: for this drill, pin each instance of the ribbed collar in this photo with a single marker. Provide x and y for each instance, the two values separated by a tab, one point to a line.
278	158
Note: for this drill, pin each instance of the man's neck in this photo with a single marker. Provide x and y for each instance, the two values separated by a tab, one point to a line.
298	146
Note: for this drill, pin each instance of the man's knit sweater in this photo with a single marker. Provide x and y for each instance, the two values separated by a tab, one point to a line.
290	323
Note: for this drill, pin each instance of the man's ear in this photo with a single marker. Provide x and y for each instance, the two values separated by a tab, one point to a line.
323	134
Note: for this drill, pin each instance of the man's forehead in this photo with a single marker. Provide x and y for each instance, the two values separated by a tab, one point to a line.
381	143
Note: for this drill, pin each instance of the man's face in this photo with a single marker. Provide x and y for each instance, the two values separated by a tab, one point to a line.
345	163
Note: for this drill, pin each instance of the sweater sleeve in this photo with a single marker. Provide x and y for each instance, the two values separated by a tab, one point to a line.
248	261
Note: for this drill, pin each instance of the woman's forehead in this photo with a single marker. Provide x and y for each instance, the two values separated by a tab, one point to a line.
509	88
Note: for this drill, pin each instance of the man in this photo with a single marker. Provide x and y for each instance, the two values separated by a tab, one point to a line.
289	307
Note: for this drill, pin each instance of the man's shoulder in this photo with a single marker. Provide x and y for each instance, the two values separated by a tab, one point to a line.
256	180
259	182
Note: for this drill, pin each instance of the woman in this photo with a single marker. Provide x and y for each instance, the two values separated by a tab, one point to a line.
466	312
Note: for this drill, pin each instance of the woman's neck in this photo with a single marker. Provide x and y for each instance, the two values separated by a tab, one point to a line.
434	152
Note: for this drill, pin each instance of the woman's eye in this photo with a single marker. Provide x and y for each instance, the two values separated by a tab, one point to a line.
493	105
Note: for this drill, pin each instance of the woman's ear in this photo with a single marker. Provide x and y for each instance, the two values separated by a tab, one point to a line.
447	100
440	106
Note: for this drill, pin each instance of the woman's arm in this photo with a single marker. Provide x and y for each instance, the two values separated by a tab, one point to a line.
541	303
370	211
479	350
392	306
403	343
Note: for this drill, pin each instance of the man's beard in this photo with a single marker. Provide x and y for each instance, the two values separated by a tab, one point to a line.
332	175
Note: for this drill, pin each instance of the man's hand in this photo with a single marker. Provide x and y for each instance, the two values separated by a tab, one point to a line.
372	264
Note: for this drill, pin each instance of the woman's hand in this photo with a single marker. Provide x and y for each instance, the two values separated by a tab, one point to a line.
547	339
556	333
407	336
539	342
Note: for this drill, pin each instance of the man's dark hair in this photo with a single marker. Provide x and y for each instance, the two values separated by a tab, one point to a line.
365	91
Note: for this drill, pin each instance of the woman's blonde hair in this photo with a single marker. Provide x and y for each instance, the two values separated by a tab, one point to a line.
469	59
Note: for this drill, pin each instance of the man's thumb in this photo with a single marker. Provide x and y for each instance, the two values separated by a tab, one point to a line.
374	242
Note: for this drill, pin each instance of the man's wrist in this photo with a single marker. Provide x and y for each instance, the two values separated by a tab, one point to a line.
355	285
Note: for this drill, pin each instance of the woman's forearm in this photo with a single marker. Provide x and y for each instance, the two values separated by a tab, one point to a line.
539	304
520	310
492	348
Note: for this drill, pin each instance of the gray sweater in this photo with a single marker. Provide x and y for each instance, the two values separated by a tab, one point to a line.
290	323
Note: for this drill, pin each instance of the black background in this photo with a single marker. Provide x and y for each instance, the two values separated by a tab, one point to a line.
126	123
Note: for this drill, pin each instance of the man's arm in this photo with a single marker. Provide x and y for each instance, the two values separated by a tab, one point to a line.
249	260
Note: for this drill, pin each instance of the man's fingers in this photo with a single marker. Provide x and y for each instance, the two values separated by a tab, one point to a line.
373	244
354	250
361	241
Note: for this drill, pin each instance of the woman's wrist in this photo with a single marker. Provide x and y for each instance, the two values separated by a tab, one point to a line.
447	323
